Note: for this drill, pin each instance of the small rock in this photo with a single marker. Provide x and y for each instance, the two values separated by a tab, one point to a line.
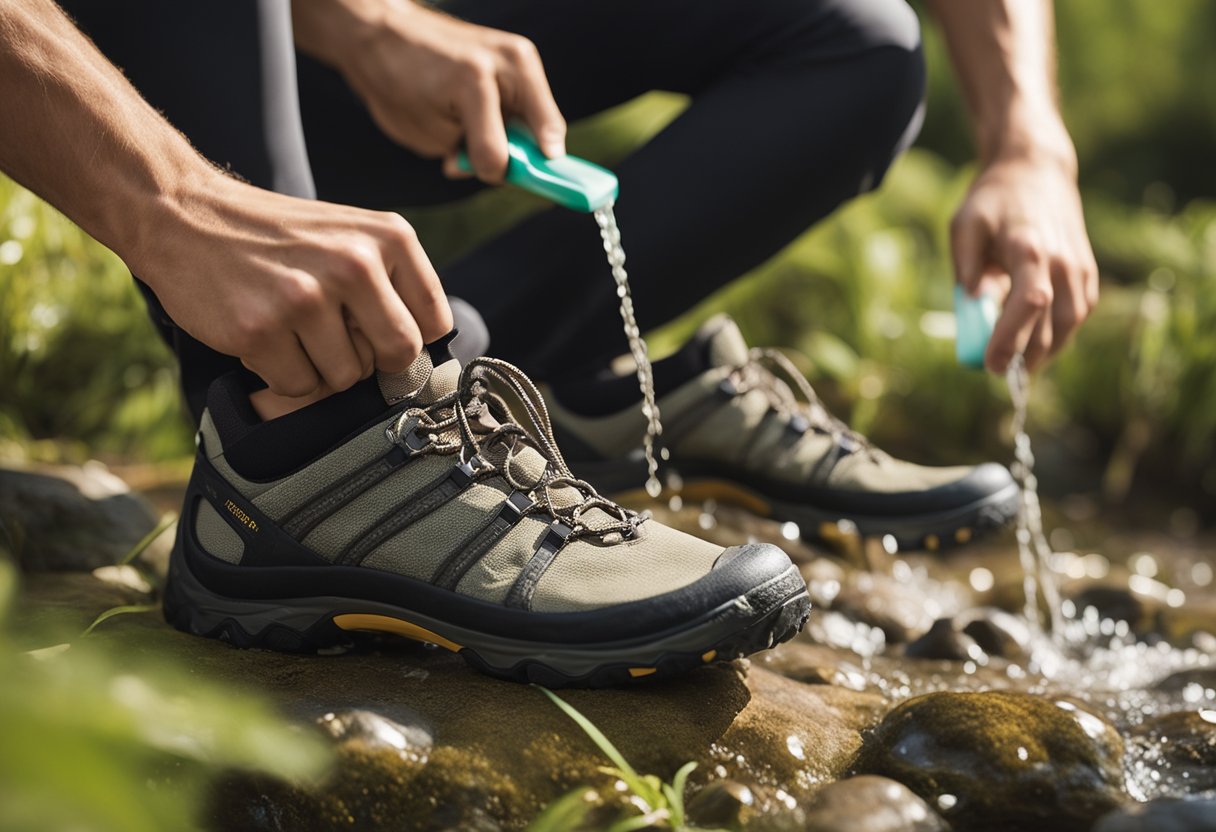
1118	603
722	803
1203	677
374	732
870	804
881	601
997	632
1162	816
974	635
70	518
1184	744
943	641
1000	760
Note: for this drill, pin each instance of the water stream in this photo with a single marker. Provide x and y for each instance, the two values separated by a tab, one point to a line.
611	235
1074	650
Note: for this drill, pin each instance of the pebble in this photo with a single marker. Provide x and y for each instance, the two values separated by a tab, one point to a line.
1169	815
867	803
1001	760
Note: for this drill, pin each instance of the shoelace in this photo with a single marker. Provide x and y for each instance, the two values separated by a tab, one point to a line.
449	426
772	372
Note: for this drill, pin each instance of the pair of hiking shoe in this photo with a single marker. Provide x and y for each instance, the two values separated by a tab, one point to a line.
418	505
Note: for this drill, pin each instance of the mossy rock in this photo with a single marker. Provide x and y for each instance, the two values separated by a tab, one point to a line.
1000	760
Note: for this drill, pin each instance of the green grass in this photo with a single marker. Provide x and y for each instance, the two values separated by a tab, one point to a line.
656	804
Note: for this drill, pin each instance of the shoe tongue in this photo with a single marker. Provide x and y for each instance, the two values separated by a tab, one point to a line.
723	342
421	381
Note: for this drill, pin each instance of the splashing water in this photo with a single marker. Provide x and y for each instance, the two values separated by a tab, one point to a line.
1033	549
611	235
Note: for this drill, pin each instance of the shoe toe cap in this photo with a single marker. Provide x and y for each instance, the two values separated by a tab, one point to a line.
756	560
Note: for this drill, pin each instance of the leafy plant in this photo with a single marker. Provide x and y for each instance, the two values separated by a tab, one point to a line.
106	740
660	805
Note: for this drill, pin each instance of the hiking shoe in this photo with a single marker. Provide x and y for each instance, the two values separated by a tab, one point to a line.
414	505
743	426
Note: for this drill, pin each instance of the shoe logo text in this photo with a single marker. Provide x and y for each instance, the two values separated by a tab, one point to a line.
247	521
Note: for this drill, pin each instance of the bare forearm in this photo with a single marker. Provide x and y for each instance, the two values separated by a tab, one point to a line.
1004	54
74	131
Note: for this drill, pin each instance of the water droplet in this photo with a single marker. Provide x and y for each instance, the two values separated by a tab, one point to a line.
946	802
982	579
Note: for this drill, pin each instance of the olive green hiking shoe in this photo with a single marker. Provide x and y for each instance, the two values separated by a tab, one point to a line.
414	505
743	426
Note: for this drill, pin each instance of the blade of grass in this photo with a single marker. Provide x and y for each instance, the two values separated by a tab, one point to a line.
564	814
597	737
146	541
675	793
113	611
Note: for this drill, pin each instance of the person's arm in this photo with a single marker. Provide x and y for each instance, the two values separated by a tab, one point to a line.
434	83
307	294
1021	223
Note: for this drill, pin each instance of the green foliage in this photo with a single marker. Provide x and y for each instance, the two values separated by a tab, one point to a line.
861	296
659	805
79	358
104	742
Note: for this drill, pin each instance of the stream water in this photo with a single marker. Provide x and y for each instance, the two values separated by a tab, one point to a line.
1132	668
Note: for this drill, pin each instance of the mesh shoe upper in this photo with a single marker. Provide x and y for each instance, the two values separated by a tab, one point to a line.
751	410
446	488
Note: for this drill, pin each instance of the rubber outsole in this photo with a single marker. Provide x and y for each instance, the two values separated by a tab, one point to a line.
934	531
309	625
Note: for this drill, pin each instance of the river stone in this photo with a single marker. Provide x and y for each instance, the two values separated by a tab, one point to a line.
999	760
1161	816
1200	678
1184	742
723	803
70	518
480	753
944	641
997	632
867	803
882	601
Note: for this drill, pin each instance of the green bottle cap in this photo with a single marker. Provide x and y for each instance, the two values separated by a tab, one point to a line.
568	180
975	319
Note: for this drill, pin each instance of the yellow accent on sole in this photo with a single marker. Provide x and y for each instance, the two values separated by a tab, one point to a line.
709	656
396	626
932	542
962	535
635	672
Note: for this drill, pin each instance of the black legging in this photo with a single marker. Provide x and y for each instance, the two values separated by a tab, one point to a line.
796	106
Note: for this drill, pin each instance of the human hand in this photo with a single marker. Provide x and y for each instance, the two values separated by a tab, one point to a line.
435	83
309	295
1020	232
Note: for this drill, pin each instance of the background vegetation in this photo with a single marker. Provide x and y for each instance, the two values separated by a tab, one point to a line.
1134	402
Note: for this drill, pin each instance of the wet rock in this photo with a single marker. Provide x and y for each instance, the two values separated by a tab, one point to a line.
944	641
1183	744
997	632
1204	678
722	803
870	804
1115	602
973	635
424	742
1161	816
373	732
70	518
881	601
1000	760
813	664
